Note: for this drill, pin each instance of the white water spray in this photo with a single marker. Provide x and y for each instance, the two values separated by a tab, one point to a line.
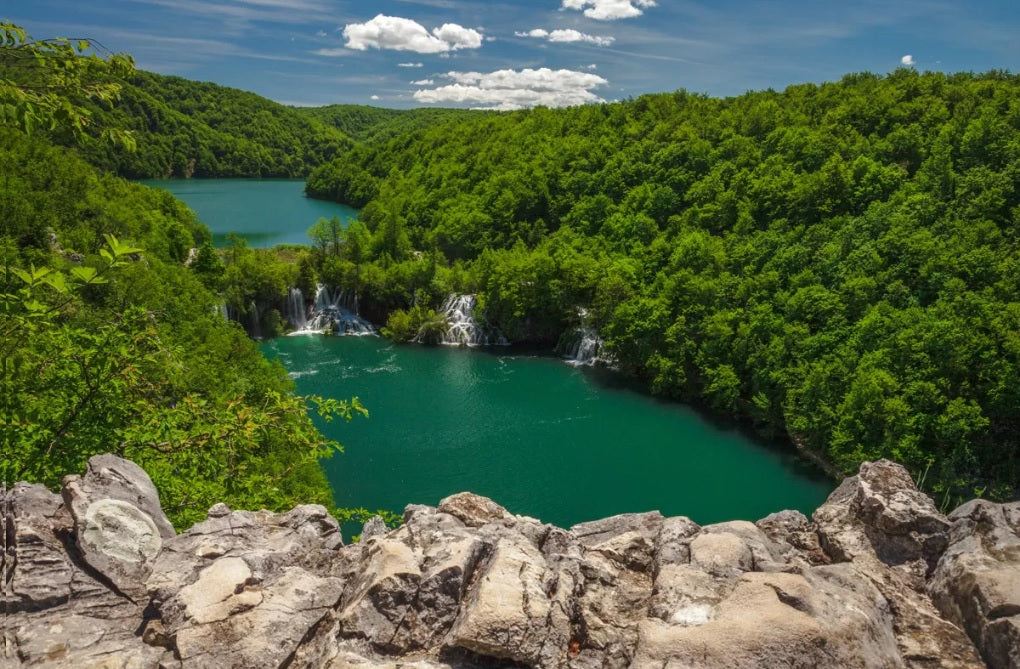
464	330
337	314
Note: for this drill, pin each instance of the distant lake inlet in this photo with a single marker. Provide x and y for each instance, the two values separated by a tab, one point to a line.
265	212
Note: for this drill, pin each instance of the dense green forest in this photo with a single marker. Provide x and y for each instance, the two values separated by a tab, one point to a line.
371	125
192	129
836	263
110	340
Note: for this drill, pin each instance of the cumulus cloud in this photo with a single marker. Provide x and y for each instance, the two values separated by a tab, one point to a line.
908	60
569	35
423	82
516	89
400	34
409	64
374	97
609	10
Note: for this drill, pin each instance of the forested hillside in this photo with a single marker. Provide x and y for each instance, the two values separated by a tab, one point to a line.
836	263
192	129
120	347
110	337
371	125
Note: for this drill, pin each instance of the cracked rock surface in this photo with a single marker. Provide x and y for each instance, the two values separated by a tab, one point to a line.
96	577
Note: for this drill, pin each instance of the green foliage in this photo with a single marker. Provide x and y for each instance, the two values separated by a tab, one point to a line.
108	348
48	85
836	263
370	125
419	324
190	129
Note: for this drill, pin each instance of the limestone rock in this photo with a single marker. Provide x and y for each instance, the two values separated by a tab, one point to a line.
880	512
109	477
373	527
56	612
245	589
95	580
824	619
472	510
977	582
119	525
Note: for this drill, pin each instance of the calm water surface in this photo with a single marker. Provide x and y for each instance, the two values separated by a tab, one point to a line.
542	438
266	212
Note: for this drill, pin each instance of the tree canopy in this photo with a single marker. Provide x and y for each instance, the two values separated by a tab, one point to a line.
834	263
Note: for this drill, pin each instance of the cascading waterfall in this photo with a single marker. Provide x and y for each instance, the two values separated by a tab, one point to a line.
585	347
295	311
464	330
337	314
254	318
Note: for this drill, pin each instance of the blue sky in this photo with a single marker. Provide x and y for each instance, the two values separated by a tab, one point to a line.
474	53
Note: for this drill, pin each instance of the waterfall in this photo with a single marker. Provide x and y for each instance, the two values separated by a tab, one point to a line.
254	325
337	314
464	330
295	311
586	348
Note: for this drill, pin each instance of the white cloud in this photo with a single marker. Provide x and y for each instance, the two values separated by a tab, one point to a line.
423	82
400	34
374	97
409	64
513	89
321	33
593	66
569	35
458	37
908	60
339	51
609	10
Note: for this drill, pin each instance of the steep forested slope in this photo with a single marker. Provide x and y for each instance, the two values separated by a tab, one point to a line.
113	344
838	263
186	128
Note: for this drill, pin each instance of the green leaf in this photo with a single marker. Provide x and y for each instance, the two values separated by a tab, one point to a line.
87	275
57	281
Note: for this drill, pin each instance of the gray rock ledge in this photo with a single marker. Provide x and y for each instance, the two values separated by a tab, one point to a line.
96	577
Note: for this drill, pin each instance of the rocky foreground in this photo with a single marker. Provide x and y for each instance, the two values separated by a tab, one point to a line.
96	577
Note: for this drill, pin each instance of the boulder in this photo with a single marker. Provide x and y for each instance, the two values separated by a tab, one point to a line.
977	581
879	512
57	610
119	525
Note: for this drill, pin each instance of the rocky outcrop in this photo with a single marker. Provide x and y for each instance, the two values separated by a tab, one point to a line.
977	581
95	577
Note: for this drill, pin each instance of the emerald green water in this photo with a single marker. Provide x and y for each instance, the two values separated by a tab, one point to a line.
266	212
542	438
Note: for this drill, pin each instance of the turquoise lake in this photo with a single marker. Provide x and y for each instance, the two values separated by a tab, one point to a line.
544	439
560	443
266	212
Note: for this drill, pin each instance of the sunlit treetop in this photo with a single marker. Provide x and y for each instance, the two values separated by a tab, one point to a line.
44	83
